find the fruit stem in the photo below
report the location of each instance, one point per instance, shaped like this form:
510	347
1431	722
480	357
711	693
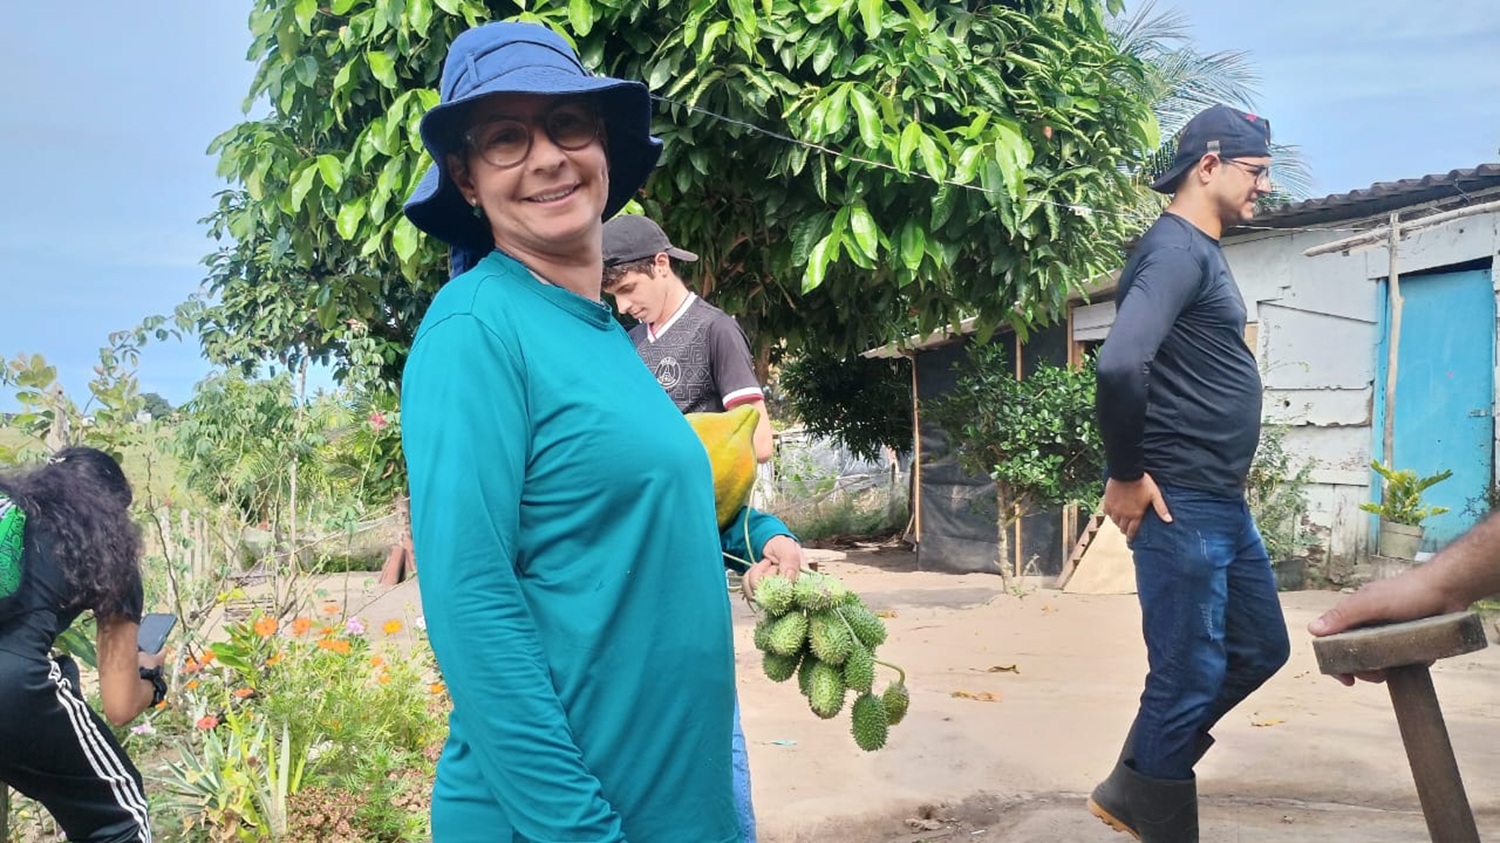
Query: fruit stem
902	680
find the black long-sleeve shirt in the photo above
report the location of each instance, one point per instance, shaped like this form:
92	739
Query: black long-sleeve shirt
1179	393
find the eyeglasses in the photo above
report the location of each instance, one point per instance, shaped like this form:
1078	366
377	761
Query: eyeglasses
506	141
1259	172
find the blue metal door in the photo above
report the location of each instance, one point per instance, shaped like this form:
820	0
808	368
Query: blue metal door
1445	393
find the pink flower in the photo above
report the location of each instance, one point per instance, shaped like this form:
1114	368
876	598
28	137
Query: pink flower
377	421
355	626
143	729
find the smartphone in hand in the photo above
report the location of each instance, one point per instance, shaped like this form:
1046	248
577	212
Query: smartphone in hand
155	627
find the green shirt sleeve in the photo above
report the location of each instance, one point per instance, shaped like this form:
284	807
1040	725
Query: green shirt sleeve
467	437
745	537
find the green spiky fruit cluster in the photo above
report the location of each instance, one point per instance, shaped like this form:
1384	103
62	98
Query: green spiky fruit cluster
821	632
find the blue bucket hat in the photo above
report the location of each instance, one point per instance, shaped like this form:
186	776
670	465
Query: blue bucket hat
523	58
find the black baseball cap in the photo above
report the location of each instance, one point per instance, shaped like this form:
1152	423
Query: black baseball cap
633	238
1219	129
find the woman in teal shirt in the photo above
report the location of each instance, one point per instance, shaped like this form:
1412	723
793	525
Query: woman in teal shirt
562	508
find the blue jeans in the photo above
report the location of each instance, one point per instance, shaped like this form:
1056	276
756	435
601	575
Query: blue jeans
1211	619
741	760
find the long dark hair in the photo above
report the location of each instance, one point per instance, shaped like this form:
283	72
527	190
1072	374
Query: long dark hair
82	500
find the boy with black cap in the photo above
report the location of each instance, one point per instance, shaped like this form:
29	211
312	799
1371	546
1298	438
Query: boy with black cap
698	352
1179	406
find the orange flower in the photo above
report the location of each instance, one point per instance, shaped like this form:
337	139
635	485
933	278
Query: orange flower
274	660
385	678
326	631
341	647
242	693
207	721
391	627
265	627
192	686
330	608
377	661
161	705
300	626
208	656
191	665
437	687
325	644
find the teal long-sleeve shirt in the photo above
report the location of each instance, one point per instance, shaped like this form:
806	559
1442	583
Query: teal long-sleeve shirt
745	538
563	511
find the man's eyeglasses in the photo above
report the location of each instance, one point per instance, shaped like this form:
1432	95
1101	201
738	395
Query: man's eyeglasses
1259	172
506	141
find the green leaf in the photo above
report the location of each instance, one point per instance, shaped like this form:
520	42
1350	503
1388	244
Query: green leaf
837	121
304	12
332	171
868	118
870	11
451	6
383	67
419	12
405	238
350	216
932	158
805	233
744	16
302	185
341	7
822	255
711	33
913	244
307	70
866	234
581	17
827	51
911	138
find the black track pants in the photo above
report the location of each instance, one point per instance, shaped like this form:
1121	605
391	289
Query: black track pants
56	750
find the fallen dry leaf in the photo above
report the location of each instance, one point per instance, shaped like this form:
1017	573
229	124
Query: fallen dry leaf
886	613
982	696
1274	721
1008	668
923	825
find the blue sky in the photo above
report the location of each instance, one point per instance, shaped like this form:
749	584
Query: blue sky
107	117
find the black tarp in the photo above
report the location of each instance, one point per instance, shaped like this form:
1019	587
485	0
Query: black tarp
958	510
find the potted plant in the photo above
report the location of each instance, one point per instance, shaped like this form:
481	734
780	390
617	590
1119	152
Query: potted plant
1276	495
1401	511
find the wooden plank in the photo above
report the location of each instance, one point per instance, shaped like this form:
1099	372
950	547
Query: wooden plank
1071	559
1106	567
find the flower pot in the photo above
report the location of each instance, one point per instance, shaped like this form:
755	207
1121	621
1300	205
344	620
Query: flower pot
1399	540
1291	573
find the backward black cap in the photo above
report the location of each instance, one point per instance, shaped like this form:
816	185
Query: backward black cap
1219	129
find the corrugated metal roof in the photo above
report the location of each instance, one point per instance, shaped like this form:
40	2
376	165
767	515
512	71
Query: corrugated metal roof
1383	197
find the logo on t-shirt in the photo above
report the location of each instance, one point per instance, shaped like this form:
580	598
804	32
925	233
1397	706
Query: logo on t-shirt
668	372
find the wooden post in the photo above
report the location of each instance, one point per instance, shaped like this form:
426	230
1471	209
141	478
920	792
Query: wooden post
1015	548
916	454
1393	351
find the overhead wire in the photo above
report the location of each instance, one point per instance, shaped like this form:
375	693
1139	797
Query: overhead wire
1073	207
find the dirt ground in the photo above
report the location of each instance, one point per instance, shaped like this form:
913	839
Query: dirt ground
1304	760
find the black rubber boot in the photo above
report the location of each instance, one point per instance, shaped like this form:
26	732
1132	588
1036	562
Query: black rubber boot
1150	810
1123	800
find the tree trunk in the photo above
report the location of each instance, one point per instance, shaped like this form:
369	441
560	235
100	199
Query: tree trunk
1003	519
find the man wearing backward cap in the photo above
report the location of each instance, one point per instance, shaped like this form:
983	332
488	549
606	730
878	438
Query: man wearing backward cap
1179	407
